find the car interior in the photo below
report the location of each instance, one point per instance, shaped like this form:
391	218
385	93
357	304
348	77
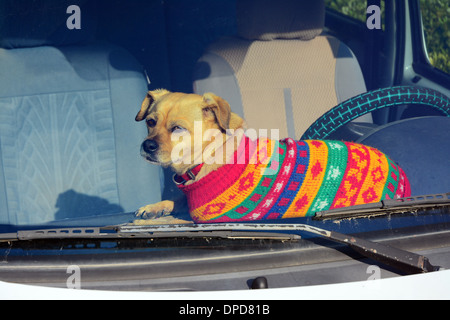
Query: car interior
70	146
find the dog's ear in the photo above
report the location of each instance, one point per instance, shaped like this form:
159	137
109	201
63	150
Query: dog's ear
219	107
148	101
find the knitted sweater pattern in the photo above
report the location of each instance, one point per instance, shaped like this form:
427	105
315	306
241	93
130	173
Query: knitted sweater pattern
284	179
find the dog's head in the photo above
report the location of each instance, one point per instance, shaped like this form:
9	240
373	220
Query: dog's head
174	119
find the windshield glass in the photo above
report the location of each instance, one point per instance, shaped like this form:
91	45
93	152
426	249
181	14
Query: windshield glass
180	145
72	83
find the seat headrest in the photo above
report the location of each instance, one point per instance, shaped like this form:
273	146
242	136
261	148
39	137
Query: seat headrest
44	22
280	19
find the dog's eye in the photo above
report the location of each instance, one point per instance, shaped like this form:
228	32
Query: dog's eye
177	129
151	123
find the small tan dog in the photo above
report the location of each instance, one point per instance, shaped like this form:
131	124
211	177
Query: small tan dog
228	177
171	113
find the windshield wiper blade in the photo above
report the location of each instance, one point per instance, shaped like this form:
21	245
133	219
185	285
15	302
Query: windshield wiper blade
384	207
405	261
140	232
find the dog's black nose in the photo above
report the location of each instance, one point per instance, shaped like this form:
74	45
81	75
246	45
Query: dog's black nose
150	146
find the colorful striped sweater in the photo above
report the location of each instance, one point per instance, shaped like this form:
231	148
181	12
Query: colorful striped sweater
283	179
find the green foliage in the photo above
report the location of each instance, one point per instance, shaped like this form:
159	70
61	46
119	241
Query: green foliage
353	8
436	23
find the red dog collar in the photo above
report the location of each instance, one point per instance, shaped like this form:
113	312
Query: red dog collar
189	175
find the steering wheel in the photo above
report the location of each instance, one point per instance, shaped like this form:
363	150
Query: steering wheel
370	101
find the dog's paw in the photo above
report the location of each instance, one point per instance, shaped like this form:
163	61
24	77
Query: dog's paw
156	210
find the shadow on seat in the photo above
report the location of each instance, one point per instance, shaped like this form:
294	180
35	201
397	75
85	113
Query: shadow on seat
72	204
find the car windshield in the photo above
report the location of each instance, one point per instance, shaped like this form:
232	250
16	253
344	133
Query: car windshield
77	77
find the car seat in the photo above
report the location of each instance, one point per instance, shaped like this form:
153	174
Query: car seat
280	71
69	145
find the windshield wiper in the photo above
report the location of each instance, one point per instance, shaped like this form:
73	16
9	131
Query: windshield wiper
386	207
407	262
402	260
142	232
